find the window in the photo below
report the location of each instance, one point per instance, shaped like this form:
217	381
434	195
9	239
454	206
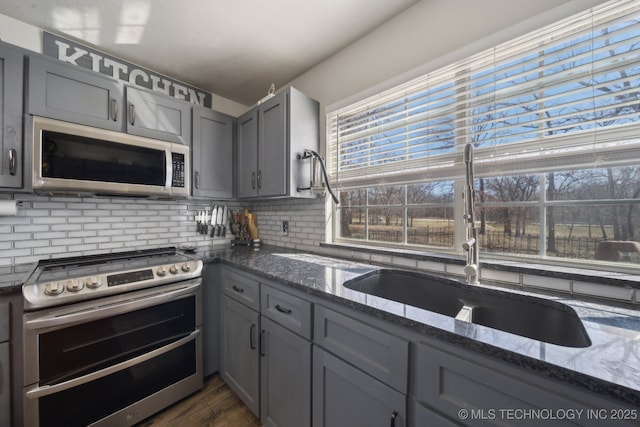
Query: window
554	119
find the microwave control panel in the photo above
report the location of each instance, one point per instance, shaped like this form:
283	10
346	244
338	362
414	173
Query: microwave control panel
178	168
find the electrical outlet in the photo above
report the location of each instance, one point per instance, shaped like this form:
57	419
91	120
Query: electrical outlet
285	228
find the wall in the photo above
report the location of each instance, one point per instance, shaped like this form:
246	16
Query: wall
306	221
421	38
428	35
431	34
29	37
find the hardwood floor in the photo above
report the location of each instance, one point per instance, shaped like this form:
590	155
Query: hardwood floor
215	405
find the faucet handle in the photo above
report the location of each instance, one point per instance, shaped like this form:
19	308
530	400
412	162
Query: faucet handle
468	244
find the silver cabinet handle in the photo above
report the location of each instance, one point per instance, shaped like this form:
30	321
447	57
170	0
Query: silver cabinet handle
13	161
197	180
259	179
114	109
253	180
394	415
262	345
132	114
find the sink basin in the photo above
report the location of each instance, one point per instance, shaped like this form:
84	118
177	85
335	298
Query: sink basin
537	318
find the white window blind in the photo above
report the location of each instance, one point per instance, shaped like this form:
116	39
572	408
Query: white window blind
565	96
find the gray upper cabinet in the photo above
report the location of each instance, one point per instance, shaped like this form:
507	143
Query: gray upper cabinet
157	116
270	137
247	152
65	92
11	66
272	147
212	154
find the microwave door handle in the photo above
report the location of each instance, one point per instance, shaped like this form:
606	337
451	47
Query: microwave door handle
169	169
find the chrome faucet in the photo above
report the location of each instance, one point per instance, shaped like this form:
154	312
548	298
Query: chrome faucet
472	269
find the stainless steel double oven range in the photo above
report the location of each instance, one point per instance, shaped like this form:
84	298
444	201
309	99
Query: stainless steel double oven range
111	339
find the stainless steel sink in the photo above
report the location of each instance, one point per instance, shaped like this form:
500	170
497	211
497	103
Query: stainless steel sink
537	318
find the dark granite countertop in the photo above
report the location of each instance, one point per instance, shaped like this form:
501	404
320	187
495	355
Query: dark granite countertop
610	366
12	277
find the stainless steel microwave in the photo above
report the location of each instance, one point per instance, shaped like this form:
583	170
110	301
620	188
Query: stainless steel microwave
74	159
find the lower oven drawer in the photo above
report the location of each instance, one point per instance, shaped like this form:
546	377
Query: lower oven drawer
124	397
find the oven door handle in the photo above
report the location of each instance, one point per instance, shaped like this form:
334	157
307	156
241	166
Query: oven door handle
51	389
109	309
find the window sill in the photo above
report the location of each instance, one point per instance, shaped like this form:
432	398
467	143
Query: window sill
579	282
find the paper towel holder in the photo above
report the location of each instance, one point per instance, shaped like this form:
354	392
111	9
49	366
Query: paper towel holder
9	207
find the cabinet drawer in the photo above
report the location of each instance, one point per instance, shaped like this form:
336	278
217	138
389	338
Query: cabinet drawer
378	353
242	288
4	322
288	310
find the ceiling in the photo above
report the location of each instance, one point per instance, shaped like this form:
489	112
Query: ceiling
233	48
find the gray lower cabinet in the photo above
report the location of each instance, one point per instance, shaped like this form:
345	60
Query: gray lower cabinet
285	349
5	379
11	152
212	154
240	363
157	116
285	377
463	388
345	396
66	92
211	291
359	373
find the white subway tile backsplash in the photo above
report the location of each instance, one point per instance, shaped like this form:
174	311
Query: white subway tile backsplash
48	227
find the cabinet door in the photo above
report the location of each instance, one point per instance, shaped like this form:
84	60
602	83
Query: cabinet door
5	386
66	92
212	154
240	357
158	116
272	150
11	64
247	152
285	377
346	396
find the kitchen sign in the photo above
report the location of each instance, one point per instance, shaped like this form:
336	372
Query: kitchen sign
68	51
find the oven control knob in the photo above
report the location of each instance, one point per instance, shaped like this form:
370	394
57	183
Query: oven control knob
92	282
74	285
186	267
53	288
173	269
161	271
